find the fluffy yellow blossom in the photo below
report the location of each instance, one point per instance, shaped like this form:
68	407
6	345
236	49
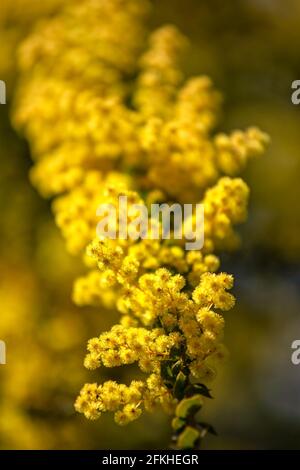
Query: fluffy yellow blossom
225	205
124	401
160	73
194	330
212	291
235	150
107	118
123	345
16	20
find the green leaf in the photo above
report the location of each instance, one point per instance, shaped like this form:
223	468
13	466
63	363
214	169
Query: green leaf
177	367
189	406
188	438
179	386
166	371
178	424
208	428
200	389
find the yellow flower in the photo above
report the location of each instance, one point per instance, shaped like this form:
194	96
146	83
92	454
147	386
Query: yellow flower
106	118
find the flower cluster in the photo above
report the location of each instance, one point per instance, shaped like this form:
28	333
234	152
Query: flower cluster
105	118
124	401
187	324
15	21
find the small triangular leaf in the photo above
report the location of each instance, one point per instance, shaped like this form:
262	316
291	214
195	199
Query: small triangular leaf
178	424
208	428
179	386
166	371
189	406
201	389
188	438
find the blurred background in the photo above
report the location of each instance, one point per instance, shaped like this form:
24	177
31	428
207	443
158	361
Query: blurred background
251	50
